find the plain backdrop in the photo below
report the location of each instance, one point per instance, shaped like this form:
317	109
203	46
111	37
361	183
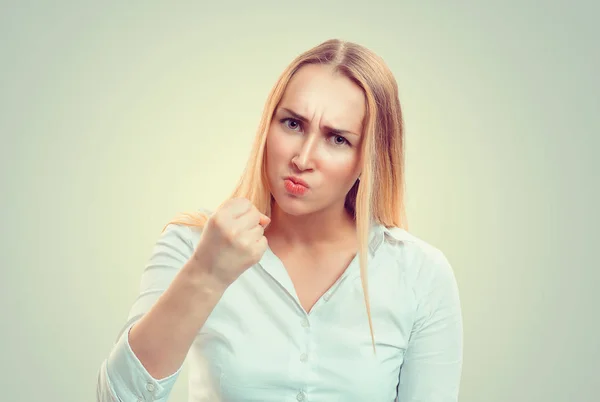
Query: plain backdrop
115	116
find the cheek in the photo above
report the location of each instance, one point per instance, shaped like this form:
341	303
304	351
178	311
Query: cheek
277	149
341	167
273	154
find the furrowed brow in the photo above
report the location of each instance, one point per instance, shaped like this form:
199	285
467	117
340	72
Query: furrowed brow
305	121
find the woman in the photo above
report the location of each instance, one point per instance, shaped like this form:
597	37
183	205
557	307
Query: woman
305	284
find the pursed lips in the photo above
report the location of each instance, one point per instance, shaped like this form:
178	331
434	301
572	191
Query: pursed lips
297	180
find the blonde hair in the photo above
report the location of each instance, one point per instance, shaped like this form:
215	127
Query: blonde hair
379	194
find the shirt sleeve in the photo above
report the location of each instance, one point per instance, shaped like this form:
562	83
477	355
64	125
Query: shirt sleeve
432	366
122	377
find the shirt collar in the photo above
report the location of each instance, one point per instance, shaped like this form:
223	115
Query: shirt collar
381	233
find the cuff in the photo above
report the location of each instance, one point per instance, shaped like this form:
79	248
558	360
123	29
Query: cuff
127	375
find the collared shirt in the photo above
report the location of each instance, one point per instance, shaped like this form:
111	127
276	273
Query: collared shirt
259	344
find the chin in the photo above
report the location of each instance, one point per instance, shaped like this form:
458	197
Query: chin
295	206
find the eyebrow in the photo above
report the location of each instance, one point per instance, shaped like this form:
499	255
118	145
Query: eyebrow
336	131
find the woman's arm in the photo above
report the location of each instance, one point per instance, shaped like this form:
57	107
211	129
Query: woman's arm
432	365
174	302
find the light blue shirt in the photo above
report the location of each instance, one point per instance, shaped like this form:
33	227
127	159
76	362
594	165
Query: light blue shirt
259	344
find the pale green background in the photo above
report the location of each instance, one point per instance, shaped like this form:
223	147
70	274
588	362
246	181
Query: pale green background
114	117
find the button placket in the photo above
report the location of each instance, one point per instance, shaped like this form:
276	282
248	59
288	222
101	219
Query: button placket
150	387
303	367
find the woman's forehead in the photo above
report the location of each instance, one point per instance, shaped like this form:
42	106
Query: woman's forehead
316	91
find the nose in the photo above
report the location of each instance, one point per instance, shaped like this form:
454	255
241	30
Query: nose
304	159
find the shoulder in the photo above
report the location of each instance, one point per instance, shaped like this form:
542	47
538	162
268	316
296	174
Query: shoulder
425	265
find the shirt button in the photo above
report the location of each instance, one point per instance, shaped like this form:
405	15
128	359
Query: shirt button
303	357
327	297
300	396
305	323
150	387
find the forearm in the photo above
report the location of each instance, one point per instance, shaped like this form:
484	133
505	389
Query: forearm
162	338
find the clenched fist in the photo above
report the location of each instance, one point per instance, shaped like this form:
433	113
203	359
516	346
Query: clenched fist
232	240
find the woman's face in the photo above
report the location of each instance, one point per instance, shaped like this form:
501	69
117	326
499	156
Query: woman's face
315	137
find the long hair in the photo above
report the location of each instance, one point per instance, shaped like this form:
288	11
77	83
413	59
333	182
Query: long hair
379	194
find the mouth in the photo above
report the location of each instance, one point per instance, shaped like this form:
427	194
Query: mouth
296	180
295	186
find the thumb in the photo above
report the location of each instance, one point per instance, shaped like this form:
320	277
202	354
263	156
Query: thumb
264	220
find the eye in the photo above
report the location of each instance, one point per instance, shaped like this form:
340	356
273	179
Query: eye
339	140
290	123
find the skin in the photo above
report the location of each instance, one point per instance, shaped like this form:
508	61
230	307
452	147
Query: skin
310	233
327	161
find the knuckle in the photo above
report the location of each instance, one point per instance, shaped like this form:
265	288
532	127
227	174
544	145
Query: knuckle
230	236
216	219
212	223
240	201
241	242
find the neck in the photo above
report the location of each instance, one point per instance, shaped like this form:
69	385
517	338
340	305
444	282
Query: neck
312	231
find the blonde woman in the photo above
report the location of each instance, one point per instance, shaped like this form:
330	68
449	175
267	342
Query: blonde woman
305	285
